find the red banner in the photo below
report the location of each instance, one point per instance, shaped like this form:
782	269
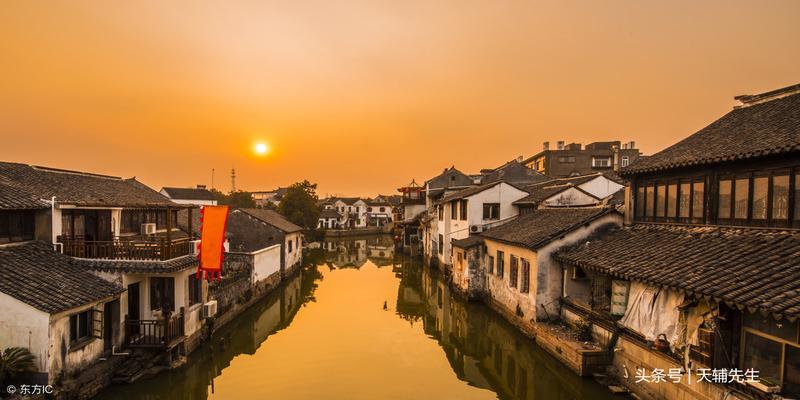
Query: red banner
212	241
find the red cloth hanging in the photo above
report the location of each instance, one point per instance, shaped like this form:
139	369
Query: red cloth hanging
213	220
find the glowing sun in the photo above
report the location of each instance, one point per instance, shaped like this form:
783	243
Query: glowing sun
261	148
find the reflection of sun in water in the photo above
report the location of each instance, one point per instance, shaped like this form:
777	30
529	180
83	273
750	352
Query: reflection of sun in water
261	148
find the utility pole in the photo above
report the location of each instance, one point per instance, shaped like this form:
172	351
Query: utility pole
233	180
212	178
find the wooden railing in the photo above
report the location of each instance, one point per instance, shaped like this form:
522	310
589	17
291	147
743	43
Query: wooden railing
128	249
153	332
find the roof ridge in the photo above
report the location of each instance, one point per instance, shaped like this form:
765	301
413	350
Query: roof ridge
73	172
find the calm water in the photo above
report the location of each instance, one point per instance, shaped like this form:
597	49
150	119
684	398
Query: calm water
327	335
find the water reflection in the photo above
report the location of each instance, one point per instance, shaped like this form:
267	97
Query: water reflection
360	322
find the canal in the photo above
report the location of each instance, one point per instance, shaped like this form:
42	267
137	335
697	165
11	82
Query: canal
360	322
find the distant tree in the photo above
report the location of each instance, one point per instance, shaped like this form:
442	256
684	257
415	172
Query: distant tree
299	204
220	197
240	199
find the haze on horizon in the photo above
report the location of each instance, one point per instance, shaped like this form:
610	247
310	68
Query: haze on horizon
360	97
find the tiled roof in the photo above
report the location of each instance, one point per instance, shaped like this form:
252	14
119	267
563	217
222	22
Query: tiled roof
464	193
544	192
189	193
329	213
347	200
272	218
542	226
135	266
35	274
771	127
12	198
514	172
757	269
80	188
468	242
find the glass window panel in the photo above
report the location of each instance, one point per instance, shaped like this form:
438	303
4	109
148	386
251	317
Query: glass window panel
763	355
797	196
791	372
684	200
650	200
782	329
724	211
698	200
672	201
639	201
660	203
780	197
741	202
760	191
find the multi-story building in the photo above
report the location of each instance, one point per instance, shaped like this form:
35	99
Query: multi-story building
573	159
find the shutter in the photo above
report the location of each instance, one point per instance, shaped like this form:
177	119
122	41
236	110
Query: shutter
619	296
97	323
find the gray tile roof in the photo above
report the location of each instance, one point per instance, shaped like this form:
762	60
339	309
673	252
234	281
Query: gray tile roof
329	213
35	274
135	266
464	193
540	227
189	193
514	172
13	198
470	241
756	269
80	188
771	127
273	218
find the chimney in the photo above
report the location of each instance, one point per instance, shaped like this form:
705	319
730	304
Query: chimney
624	146
201	186
615	157
632	145
546	146
519	159
560	145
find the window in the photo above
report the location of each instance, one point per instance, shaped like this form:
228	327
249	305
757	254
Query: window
661	194
672	200
724	208
684	200
525	285
441	244
491	211
760	192
640	201
464	209
650	200
797	195
369	209
601	162
81	325
625	161
780	197
383	209
491	264
741	193
440	211
195	290
454	210
513	271
290	243
698	201
500	263
16	226
566	159
162	294
772	348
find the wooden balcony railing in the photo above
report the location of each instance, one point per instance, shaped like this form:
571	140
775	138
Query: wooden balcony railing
129	249
153	332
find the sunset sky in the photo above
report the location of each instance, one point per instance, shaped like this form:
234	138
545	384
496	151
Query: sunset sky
360	97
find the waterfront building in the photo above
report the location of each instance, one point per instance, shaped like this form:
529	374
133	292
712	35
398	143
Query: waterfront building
583	190
573	159
199	196
707	265
329	218
123	232
281	231
264	198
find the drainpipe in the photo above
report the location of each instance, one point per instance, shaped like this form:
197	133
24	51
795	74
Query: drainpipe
53	236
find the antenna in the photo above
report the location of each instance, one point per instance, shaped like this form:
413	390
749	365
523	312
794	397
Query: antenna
212	178
233	180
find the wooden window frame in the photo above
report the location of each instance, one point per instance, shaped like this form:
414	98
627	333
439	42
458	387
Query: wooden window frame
513	271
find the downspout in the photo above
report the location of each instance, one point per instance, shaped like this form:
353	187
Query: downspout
53	236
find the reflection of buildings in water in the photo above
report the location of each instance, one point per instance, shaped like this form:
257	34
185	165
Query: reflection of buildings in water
482	348
353	253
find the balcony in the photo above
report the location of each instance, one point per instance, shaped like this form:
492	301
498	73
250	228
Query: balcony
137	248
154	333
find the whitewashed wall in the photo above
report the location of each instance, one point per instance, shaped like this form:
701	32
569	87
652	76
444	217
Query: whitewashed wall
266	262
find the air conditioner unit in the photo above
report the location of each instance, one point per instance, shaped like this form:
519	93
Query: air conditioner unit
210	309
149	229
475	228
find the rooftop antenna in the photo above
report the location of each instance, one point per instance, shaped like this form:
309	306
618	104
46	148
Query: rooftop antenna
233	180
212	178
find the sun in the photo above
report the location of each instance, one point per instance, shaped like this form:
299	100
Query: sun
261	148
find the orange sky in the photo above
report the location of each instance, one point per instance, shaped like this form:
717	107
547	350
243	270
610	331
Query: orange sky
362	96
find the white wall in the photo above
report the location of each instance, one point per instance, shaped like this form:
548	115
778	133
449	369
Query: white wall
570	197
24	326
296	255
601	187
266	262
